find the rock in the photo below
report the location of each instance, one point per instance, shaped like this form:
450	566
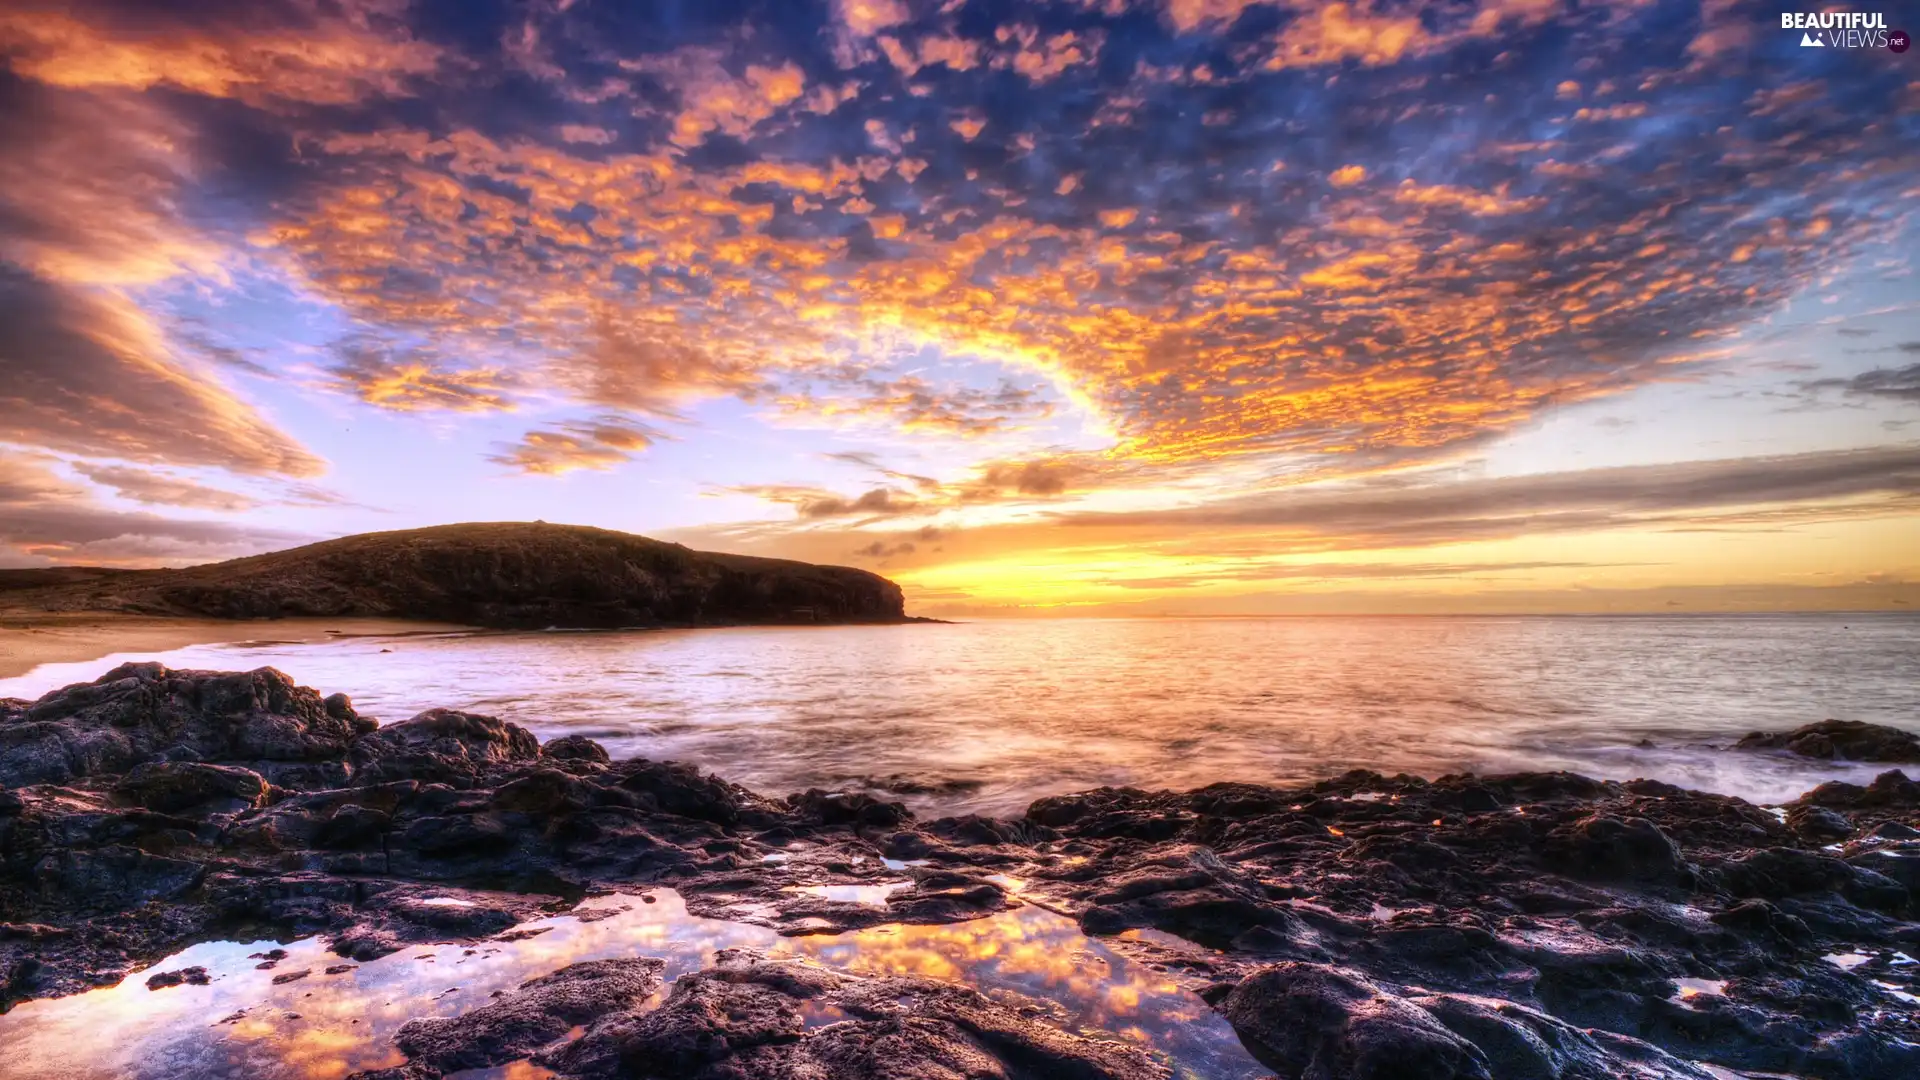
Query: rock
1819	824
747	1017
672	788
1520	1043
136	712
1611	849
1526	925
171	786
1311	1020
845	808
352	825
575	748
1840	740
441	746
537	1013
192	976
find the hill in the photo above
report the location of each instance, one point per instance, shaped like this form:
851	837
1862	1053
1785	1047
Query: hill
504	574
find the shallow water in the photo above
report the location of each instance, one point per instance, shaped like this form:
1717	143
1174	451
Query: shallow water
322	1026
987	716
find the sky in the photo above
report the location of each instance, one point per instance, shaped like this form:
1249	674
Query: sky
1096	307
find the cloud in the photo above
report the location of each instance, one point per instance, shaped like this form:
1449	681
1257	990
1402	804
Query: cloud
1131	210
1336	571
1894	384
597	444
158	489
911	403
88	217
87	373
880	549
44	519
309	52
1877	481
814	503
414	379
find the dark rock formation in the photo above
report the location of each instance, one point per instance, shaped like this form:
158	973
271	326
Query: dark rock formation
1535	925
1840	740
506	574
748	1017
139	713
526	1020
192	976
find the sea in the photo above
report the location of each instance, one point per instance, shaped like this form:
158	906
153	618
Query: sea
986	716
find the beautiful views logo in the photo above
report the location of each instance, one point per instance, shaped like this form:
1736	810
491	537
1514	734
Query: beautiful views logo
1844	30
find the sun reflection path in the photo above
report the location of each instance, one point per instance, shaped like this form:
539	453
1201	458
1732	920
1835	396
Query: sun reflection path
325	1026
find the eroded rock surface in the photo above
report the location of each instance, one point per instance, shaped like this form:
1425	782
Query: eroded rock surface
1535	925
1840	740
751	1016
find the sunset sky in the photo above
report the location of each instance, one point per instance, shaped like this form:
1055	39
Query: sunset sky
1095	306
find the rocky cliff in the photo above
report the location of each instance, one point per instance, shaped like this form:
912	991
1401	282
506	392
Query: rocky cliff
506	574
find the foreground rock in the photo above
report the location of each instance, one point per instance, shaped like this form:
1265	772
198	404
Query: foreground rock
1840	740
748	1016
1537	925
504	574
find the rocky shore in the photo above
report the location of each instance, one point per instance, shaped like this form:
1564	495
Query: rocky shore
1538	925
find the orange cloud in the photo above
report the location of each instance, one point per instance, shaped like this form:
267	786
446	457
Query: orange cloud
1347	175
414	381
588	444
336	55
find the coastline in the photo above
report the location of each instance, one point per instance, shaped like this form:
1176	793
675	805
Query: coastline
29	639
155	823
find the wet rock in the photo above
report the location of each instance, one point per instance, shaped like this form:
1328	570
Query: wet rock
1763	918
1611	849
1311	1020
1842	740
845	808
172	786
291	976
575	748
192	976
1819	824
443	746
544	791
1542	920
1520	1043
672	788
402	915
136	712
537	1013
352	825
748	1017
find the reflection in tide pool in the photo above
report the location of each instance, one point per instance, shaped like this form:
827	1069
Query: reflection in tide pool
322	1027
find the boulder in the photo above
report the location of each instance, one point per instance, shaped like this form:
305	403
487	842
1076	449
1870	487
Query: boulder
1313	1020
537	1013
1607	848
138	713
443	746
750	1016
1839	740
173	786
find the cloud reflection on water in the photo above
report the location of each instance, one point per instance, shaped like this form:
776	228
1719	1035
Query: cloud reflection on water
323	1027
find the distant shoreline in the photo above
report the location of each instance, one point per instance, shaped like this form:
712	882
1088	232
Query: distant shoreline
28	640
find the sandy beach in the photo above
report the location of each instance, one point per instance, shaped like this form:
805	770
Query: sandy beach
28	640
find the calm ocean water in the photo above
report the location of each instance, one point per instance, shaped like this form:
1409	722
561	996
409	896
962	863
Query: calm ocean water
987	716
